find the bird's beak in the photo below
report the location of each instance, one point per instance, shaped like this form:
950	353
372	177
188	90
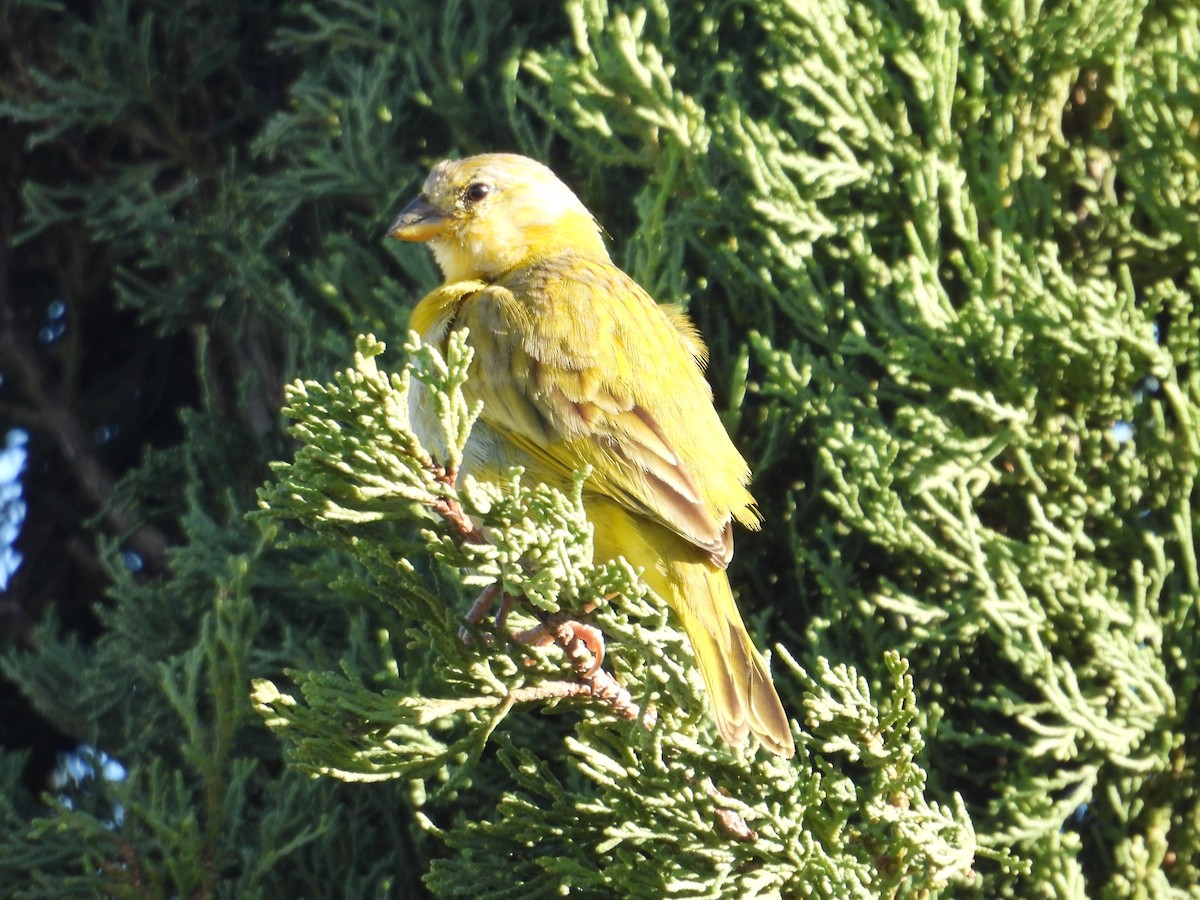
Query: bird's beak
419	221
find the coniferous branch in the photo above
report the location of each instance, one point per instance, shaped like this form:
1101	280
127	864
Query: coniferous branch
980	377
362	464
963	242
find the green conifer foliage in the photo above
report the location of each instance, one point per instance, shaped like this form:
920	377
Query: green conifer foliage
946	259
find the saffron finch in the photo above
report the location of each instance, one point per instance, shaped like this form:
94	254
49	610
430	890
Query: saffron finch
576	365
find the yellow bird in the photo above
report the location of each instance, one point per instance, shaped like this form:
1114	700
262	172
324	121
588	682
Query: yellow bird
576	365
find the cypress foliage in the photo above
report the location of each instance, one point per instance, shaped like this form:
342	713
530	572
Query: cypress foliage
946	259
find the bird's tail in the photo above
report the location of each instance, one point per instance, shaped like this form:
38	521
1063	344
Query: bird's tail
741	694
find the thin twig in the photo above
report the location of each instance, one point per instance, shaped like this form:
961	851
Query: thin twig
731	821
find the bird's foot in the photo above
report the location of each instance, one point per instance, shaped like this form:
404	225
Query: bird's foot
584	646
584	643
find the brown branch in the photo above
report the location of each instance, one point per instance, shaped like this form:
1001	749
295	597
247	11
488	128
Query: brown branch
551	690
731	821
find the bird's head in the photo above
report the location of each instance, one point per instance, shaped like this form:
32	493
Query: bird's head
489	214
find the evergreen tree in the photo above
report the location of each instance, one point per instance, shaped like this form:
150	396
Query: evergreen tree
946	260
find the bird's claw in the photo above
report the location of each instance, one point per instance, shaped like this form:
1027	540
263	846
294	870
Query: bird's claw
584	643
577	638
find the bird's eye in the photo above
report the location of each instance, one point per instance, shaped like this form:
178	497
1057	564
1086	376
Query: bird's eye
478	191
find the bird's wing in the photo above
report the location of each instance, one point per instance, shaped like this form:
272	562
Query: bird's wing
577	366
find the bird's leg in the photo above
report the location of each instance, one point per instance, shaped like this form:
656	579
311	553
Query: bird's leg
506	604
481	607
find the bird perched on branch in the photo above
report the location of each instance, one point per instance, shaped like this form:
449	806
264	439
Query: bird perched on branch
576	365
